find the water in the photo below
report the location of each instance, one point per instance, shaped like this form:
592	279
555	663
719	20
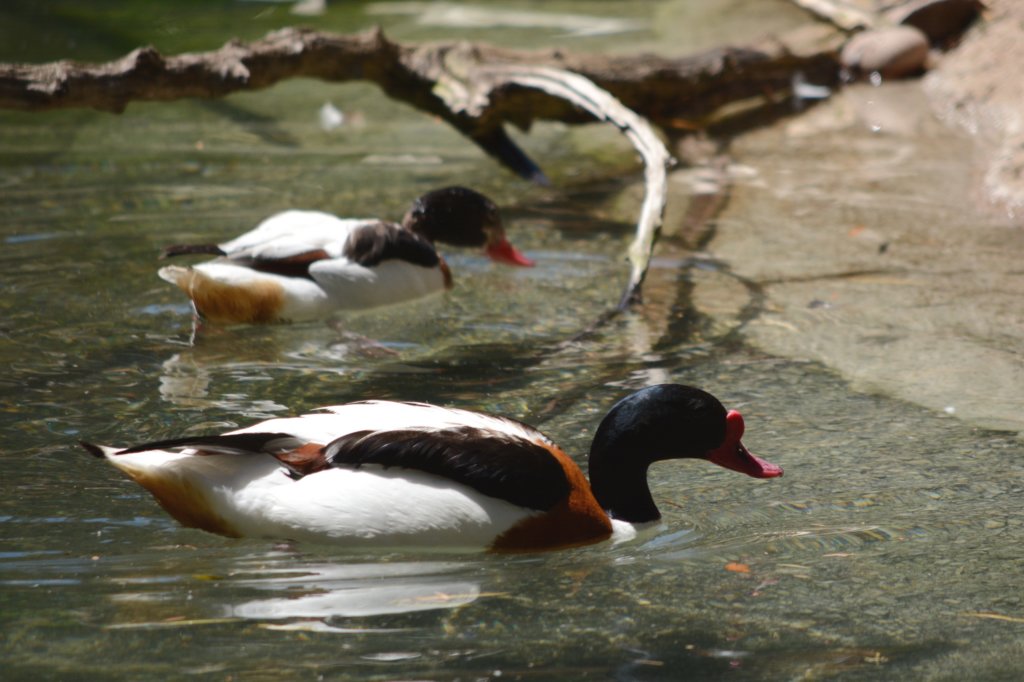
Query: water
890	550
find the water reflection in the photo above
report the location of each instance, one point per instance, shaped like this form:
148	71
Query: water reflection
481	332
459	15
890	550
355	590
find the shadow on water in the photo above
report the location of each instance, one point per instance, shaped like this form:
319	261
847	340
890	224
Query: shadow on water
263	126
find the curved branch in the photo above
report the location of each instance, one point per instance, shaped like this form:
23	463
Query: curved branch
600	104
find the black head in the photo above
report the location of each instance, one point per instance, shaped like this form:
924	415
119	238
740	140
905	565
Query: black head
668	421
462	217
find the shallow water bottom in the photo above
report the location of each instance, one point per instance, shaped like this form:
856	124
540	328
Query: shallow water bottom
887	550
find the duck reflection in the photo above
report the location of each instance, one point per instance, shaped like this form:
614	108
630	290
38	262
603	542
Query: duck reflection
358	590
219	368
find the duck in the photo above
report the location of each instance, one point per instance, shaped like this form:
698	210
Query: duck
393	475
301	265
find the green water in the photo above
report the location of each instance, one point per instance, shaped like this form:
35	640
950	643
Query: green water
891	549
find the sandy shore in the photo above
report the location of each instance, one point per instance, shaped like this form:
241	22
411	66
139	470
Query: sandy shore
883	230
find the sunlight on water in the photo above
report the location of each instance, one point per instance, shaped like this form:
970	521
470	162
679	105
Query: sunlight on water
889	550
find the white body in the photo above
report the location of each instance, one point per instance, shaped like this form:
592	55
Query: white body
371	506
337	283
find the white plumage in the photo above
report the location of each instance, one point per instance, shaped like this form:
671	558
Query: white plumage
252	495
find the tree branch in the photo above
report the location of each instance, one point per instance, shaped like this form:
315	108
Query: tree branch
600	104
475	88
661	89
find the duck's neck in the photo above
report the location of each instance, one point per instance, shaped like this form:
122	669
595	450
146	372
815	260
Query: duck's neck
667	421
419	229
620	486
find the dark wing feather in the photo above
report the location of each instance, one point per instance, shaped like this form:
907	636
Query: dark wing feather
231	444
376	242
189	249
498	465
296	265
300	457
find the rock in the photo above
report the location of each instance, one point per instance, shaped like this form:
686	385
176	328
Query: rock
893	52
940	20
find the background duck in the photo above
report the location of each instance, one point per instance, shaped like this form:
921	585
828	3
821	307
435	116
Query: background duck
393	474
303	265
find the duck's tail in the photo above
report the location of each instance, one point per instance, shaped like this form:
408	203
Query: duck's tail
183	494
98	451
126	464
187	249
110	455
178	276
235	295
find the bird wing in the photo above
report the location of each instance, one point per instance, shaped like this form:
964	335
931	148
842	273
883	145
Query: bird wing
299	455
494	463
499	457
370	244
291	233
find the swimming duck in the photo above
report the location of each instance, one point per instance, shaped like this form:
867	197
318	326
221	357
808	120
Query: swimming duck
303	265
396	474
